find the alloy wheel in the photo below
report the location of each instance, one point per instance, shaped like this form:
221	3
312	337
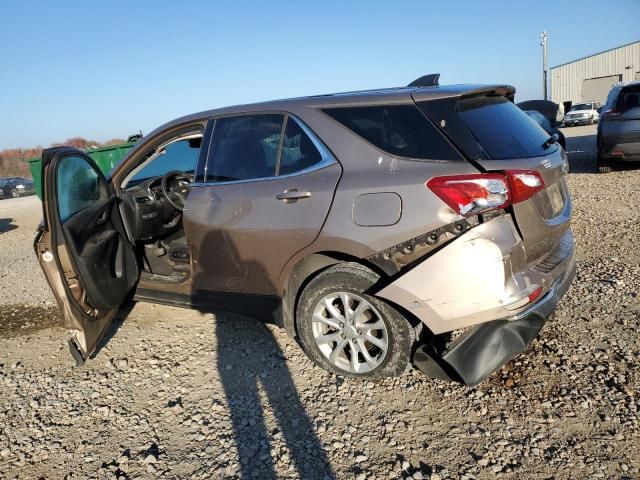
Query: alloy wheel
350	332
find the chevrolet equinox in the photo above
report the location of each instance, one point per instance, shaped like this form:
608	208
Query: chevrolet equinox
426	224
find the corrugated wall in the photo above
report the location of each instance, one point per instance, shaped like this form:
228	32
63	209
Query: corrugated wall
566	80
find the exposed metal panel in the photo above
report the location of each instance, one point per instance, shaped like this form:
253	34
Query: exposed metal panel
567	80
598	88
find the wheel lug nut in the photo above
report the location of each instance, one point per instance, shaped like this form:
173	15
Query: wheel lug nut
343	336
359	332
341	324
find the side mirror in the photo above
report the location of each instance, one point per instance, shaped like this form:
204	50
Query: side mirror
600	110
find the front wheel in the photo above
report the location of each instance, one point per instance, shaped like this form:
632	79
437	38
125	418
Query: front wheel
14	193
346	331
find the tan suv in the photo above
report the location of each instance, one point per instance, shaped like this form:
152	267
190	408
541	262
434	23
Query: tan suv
371	225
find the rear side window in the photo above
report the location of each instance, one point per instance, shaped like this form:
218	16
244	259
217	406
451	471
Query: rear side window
400	130
298	151
244	147
503	130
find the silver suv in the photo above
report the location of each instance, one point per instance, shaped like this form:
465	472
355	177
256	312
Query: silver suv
370	225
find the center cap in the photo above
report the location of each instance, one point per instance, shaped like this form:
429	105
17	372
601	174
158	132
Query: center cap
350	332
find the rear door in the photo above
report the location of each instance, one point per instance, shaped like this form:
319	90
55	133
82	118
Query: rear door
82	247
267	190
497	135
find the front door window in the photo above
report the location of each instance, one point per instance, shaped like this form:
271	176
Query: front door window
77	184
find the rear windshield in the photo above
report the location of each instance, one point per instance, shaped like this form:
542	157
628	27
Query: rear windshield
629	98
400	130
503	130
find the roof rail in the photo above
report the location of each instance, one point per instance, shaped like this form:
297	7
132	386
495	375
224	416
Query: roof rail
430	80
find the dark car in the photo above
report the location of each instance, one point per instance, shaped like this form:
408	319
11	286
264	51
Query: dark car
546	126
16	187
370	225
618	137
554	112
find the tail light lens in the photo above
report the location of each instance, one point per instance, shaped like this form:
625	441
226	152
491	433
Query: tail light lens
610	114
473	194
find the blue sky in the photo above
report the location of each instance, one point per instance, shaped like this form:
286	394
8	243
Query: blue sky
107	69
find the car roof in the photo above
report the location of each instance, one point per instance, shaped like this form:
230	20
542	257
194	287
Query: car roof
354	98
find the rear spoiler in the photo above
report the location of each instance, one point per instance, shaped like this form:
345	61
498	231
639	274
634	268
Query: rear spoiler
458	92
506	91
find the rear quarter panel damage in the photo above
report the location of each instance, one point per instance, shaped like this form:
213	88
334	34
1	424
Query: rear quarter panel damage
470	281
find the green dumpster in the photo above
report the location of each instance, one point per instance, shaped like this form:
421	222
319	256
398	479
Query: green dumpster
105	157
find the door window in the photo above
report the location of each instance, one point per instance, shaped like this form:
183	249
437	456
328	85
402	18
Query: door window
244	147
77	184
298	150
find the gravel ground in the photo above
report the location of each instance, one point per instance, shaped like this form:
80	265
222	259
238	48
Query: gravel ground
178	394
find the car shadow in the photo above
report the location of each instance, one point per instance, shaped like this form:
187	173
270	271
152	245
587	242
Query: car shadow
256	379
6	225
261	396
581	151
254	373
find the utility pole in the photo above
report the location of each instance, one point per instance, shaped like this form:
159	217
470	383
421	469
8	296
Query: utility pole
543	43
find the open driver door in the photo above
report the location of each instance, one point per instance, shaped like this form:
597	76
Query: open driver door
82	246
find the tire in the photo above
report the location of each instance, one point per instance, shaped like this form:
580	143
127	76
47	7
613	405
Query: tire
14	193
604	166
386	326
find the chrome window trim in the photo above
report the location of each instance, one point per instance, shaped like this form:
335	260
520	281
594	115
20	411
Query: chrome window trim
327	157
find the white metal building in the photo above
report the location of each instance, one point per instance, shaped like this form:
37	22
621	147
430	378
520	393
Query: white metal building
591	78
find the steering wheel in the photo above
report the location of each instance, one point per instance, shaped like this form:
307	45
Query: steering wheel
175	187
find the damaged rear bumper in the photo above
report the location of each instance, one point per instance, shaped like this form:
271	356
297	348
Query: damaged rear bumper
487	347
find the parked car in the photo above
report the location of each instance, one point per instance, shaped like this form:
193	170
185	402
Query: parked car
16	187
371	225
554	112
618	138
582	114
543	121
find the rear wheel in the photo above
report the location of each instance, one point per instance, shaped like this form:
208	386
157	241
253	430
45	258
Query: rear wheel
346	331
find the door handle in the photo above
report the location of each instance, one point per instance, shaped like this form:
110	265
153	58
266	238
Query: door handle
292	195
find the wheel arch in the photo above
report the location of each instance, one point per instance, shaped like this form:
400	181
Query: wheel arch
303	272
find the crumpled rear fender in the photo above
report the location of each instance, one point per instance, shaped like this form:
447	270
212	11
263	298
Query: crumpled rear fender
480	276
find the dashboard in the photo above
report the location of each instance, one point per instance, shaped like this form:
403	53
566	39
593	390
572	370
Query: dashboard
147	212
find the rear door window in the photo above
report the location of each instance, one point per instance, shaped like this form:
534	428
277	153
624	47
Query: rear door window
502	129
244	147
400	130
298	150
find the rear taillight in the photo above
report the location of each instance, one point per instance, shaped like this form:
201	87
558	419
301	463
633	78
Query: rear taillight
473	194
611	114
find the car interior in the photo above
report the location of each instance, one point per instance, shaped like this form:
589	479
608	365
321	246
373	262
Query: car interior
152	206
